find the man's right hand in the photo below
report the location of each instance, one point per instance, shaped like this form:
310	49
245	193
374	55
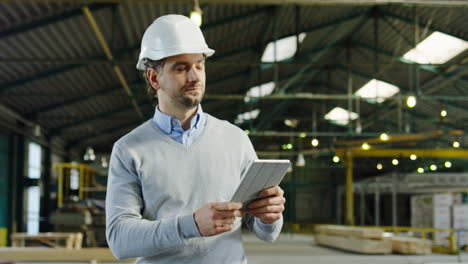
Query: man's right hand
217	217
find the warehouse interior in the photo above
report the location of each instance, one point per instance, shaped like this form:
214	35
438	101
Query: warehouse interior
366	98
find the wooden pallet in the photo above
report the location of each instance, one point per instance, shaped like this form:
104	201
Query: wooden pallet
58	254
355	244
54	240
411	245
362	232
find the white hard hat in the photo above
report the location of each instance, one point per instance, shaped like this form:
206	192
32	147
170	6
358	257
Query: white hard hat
171	35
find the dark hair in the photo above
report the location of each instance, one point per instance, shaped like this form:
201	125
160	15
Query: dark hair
158	65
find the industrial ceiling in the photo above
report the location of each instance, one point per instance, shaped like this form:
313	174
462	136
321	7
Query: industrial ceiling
68	68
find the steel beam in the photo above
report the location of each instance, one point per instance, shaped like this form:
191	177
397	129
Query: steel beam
85	120
424	24
343	34
405	153
75	100
438	3
120	76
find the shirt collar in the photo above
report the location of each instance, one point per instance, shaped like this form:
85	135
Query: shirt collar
164	121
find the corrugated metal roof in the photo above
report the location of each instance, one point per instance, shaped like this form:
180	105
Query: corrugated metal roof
54	71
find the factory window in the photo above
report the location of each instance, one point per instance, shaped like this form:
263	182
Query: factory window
33	192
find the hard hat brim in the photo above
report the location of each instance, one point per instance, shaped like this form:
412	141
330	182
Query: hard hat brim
158	55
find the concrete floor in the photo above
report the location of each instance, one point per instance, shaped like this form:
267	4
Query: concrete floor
301	249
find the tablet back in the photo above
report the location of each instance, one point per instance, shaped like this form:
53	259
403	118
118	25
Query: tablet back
259	175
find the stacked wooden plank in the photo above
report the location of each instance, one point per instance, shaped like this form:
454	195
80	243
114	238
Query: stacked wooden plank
411	245
356	239
369	240
70	240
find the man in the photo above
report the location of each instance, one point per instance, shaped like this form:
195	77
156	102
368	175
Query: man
171	178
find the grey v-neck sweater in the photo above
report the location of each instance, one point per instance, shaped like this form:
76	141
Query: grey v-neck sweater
156	184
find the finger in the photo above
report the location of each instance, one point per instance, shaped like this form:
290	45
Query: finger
275	190
269	217
226	221
267	209
223	228
275	200
227	214
226	206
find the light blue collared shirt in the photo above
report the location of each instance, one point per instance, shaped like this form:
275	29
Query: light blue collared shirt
173	128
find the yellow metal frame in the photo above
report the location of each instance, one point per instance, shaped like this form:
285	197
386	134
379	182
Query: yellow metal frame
86	179
347	155
3	236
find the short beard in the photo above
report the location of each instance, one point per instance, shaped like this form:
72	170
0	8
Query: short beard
189	103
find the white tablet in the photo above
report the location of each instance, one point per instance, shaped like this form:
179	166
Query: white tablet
259	175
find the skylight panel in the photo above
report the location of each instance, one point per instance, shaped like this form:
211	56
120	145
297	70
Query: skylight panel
260	91
340	116
241	118
376	91
285	48
437	48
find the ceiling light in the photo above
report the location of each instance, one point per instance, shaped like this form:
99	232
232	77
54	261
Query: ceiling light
411	101
384	137
241	118
104	163
340	116
420	170
259	91
289	146
395	162
365	146
433	167
285	48
413	157
448	164
291	122
314	142
303	134
456	144
376	91
300	160
443	113
196	14
379	166
436	48
336	159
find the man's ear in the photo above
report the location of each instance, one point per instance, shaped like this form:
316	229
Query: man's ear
152	75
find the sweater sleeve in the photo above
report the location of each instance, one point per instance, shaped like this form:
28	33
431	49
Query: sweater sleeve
265	232
127	233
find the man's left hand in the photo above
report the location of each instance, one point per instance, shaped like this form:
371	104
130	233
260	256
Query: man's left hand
270	206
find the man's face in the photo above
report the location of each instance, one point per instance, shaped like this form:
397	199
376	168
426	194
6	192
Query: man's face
182	80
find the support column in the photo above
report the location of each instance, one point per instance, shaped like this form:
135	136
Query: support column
17	183
377	204
339	205
349	189
44	224
394	200
362	203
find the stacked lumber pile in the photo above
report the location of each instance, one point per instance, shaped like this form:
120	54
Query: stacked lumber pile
411	245
356	239
52	239
369	240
